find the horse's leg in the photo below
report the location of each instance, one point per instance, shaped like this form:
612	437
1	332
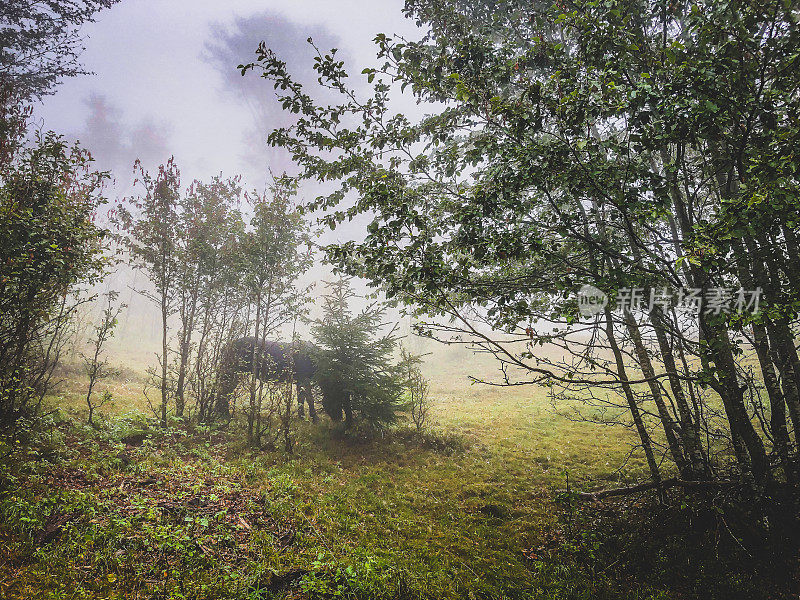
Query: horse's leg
312	411
300	397
348	412
222	404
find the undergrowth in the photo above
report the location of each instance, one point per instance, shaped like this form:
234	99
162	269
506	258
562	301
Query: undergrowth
133	511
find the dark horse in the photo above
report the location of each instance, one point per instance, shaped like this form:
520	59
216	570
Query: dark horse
274	361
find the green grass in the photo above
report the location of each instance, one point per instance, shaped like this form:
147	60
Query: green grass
471	510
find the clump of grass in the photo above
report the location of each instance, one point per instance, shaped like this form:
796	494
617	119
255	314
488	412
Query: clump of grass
447	443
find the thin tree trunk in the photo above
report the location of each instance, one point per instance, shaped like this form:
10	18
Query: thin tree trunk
164	350
287	415
777	402
644	437
718	348
782	342
781	336
255	366
752	274
674	440
186	344
690	429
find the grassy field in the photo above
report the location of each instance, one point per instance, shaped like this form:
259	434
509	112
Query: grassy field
471	509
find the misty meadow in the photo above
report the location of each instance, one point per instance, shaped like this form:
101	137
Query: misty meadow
434	299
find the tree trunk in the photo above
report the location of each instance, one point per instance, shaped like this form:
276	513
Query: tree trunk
752	274
777	402
287	417
785	353
674	440
718	348
185	349
689	423
348	411
255	366
164	350
644	437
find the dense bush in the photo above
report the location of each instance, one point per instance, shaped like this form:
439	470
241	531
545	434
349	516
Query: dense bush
49	245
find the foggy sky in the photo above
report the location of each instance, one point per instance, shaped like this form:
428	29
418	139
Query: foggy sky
165	83
166	80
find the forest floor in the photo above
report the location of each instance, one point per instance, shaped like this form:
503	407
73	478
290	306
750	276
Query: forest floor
474	508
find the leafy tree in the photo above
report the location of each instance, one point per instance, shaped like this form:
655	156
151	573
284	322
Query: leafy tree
215	229
272	259
354	365
151	225
206	219
190	245
41	43
49	246
622	144
220	279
